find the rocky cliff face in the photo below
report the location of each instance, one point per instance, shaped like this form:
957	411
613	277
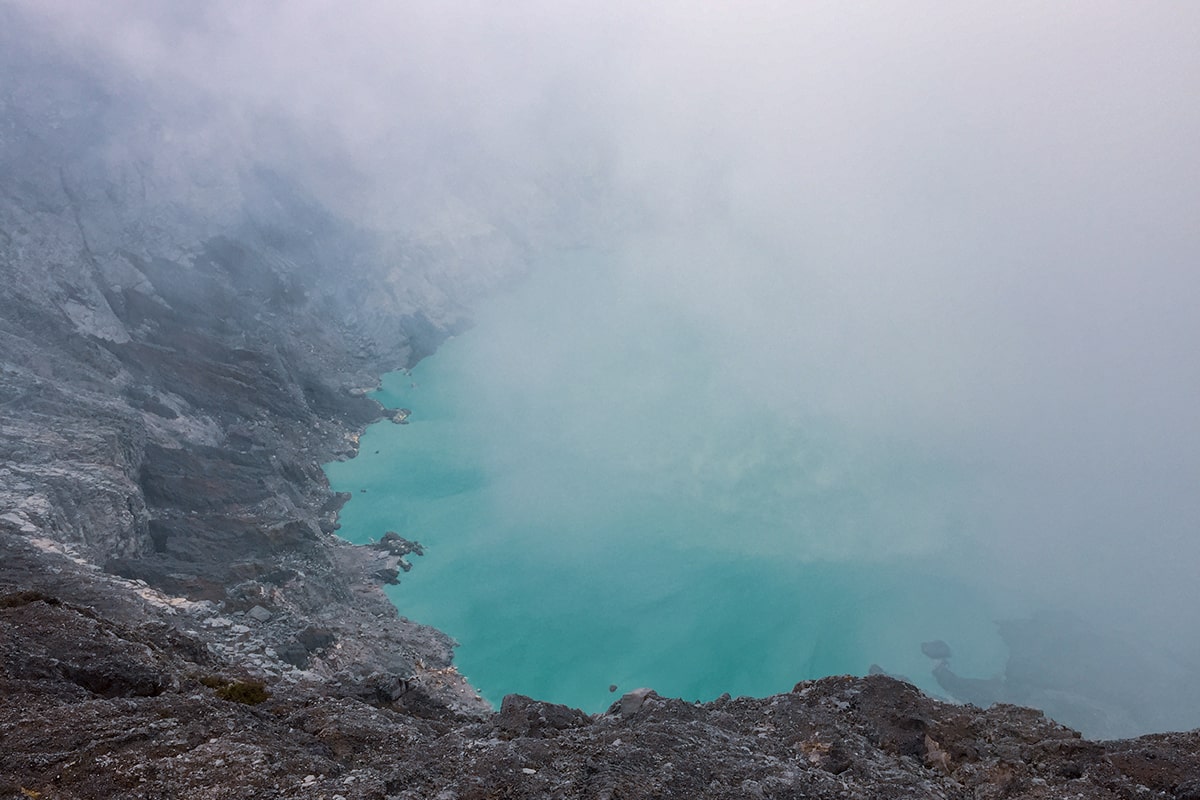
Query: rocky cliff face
181	351
182	345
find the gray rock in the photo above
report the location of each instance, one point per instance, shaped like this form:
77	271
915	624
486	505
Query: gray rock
631	702
523	716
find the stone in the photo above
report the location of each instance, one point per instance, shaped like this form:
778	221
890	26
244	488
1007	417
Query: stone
522	716
631	702
314	638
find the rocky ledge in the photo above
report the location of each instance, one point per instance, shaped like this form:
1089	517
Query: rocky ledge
102	705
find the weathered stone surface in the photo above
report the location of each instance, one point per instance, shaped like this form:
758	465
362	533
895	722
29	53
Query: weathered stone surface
838	737
524	716
178	347
631	702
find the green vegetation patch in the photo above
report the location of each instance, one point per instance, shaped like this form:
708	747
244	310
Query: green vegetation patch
249	692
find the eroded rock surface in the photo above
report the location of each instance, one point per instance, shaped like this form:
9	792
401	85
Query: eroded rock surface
169	733
180	351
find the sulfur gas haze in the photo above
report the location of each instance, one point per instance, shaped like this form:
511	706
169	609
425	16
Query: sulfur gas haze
851	284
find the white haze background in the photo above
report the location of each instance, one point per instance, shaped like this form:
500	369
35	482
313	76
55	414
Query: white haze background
971	230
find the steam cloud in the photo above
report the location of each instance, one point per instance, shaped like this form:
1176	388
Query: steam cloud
970	229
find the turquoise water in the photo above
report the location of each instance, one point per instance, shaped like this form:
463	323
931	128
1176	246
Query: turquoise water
600	503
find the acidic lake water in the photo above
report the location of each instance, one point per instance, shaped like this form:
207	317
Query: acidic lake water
601	503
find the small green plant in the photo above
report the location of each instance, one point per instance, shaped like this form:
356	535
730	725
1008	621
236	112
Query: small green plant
249	692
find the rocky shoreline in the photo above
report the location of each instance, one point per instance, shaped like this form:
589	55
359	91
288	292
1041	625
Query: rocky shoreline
181	350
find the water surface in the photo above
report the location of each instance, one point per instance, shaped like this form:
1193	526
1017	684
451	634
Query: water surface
602	503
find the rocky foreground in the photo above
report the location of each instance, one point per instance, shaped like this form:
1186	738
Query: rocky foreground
113	689
100	708
186	335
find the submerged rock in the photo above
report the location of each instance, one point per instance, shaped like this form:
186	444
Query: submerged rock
937	649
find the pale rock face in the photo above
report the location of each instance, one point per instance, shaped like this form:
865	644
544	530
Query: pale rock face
98	321
19	522
631	702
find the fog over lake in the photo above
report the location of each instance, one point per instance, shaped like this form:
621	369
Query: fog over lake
823	301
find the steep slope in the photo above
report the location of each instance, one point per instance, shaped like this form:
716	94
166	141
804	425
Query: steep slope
180	354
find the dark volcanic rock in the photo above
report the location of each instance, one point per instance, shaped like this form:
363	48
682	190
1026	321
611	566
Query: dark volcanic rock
49	641
833	738
523	716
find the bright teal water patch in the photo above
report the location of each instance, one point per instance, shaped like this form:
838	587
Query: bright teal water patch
600	506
